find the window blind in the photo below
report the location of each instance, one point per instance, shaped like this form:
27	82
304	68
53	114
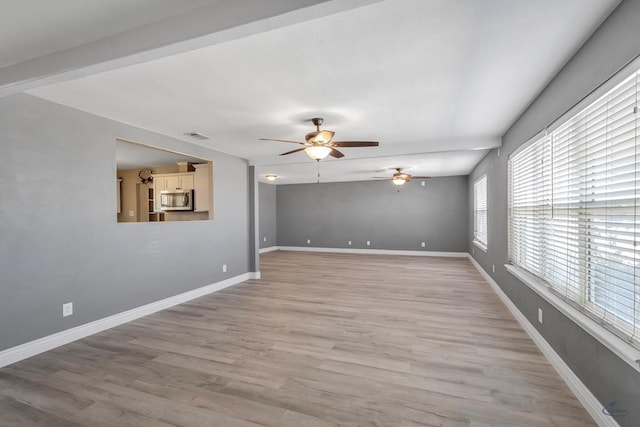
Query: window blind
574	198
480	210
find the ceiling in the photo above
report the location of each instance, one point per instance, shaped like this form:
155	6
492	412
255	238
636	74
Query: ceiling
137	156
35	28
436	82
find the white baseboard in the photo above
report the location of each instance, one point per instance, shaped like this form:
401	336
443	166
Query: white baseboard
584	395
269	249
373	251
32	348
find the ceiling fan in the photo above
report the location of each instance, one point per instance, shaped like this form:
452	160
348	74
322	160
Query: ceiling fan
399	177
319	144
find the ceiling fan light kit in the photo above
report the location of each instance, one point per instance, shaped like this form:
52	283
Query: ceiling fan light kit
399	180
318	152
271	177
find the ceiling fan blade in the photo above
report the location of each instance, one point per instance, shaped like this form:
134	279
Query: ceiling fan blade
420	177
381	177
354	143
335	153
281	140
292	151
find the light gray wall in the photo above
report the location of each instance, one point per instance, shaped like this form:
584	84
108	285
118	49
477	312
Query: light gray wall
331	214
268	224
615	43
59	240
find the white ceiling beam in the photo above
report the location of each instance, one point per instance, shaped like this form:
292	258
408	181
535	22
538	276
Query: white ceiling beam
203	27
391	150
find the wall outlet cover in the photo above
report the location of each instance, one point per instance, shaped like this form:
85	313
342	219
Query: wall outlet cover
539	315
264	239
308	241
224	268
423	244
67	309
349	243
368	243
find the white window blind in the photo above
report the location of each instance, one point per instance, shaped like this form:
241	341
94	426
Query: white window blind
480	211
574	210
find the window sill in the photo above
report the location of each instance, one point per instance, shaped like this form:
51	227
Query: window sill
621	348
480	245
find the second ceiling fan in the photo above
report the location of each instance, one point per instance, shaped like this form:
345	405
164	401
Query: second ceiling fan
399	177
319	144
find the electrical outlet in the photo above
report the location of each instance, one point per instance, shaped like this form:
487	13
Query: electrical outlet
423	183
493	268
132	213
349	243
224	268
308	241
368	243
67	309
264	239
423	244
539	315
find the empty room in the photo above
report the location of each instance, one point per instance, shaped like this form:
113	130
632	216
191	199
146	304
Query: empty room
320	213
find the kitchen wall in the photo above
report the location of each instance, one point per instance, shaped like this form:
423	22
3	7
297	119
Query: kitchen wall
609	378
267	232
59	239
331	214
129	195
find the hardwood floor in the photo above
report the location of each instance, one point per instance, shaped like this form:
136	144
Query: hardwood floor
321	340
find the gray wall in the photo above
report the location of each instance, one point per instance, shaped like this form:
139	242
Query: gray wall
267	208
615	43
331	214
59	240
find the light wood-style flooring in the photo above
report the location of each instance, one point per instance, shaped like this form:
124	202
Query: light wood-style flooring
321	340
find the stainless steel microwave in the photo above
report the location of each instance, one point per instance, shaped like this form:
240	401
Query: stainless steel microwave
176	200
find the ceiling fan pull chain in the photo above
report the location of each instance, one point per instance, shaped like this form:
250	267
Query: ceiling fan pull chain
318	162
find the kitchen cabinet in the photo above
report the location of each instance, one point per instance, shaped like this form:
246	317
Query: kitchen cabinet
202	186
179	182
171	181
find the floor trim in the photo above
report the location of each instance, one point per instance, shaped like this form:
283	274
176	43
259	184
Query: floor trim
373	251
32	348
269	249
584	395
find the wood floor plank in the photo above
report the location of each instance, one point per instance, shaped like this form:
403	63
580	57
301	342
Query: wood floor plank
321	340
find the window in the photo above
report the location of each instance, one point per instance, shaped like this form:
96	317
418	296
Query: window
480	212
574	210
